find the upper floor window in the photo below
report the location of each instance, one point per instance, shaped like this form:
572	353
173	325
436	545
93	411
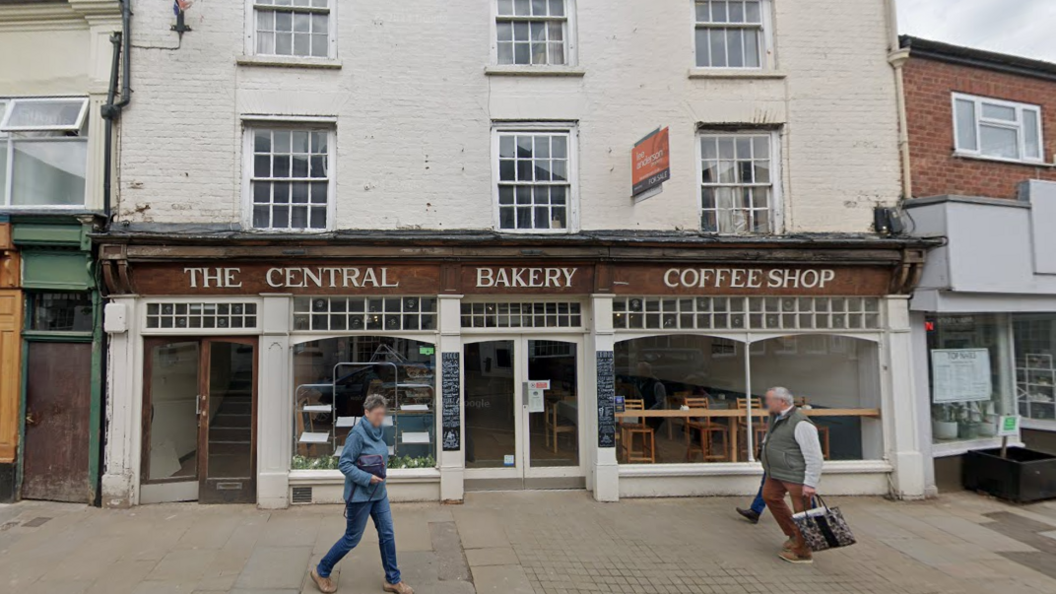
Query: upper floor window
739	188
533	32
43	152
290	182
536	173
997	129
731	33
300	28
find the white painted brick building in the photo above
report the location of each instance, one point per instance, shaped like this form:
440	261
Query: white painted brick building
337	222
413	92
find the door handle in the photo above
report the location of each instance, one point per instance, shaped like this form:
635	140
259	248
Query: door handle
31	419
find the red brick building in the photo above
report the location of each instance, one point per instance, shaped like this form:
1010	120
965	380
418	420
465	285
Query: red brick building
982	136
937	71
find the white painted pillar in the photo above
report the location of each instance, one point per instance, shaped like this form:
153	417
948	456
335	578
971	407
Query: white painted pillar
274	403
452	463
120	480
606	472
900	406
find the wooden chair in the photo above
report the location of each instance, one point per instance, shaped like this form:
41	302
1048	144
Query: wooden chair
552	421
628	431
759	423
823	431
706	428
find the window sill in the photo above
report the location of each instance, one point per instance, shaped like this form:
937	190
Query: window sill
1020	162
959	448
743	469
288	62
1037	424
395	476
720	73
559	71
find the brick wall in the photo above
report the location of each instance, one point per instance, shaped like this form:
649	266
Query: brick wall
936	171
414	110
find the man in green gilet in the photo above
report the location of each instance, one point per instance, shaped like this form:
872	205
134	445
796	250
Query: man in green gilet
792	458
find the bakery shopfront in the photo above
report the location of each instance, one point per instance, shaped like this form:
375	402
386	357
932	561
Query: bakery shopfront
629	369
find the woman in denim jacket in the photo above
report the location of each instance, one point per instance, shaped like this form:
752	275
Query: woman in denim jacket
363	464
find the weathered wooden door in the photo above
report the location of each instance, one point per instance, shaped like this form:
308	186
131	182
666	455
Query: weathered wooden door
58	403
10	372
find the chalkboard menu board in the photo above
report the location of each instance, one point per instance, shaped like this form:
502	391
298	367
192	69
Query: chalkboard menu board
450	394
606	400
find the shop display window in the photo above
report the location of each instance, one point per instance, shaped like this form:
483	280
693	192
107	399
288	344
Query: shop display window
333	377
970	356
835	379
1034	338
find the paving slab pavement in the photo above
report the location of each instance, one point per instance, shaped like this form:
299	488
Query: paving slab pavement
529	543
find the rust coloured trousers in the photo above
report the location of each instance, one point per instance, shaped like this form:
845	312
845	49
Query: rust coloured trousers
774	495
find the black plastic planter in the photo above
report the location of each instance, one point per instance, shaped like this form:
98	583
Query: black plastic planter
1024	476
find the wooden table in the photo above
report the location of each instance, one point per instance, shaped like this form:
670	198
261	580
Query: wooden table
696	413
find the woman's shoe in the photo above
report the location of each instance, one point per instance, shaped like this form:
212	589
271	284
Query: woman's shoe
400	588
325	585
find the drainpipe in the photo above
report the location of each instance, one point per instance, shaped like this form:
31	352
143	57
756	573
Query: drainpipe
111	112
897	57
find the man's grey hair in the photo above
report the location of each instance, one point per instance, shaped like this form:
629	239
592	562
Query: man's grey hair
783	394
374	401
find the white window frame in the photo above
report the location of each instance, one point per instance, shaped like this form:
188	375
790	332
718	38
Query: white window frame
777	203
251	32
1018	127
14	102
571	45
251	124
9	140
767	61
569	128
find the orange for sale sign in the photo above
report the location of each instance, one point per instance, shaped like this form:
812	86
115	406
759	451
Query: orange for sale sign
651	162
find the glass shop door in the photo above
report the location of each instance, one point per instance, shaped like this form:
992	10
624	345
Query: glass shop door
517	437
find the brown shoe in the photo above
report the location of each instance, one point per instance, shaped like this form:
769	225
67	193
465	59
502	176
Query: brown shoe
325	585
792	557
789	545
400	588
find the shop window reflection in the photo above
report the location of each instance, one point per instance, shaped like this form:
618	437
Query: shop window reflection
964	346
836	379
333	377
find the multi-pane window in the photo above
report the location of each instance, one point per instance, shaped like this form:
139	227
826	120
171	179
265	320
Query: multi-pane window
183	316
290	178
731	33
532	32
541	314
746	313
535	189
43	152
999	129
60	312
737	183
364	313
292	28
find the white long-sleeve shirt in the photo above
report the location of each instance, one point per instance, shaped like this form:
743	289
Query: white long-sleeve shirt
807	437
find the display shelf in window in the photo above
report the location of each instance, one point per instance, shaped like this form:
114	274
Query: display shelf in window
310	410
1036	386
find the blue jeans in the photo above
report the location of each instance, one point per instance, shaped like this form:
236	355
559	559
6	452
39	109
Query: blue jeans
357	514
758	505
